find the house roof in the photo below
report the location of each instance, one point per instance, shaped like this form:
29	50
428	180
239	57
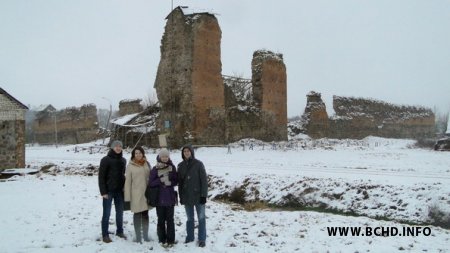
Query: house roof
124	119
142	122
48	107
13	99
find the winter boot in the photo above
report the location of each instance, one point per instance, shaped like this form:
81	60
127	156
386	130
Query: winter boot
106	239
145	228
137	220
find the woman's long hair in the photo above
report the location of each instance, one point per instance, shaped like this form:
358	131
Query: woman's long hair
140	149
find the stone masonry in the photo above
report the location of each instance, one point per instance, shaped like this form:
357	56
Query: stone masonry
192	93
256	108
73	125
357	118
12	131
188	83
130	106
269	89
318	124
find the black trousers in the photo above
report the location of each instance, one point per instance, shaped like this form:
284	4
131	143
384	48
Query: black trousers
166	225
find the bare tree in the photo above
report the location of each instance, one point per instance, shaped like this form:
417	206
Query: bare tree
241	87
442	117
446	122
103	115
150	99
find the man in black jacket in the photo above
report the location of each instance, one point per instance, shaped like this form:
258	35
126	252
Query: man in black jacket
193	188
111	179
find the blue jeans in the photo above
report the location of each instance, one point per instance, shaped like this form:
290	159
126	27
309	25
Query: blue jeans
117	196
190	222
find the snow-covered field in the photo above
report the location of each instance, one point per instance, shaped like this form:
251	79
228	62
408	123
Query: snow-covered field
372	177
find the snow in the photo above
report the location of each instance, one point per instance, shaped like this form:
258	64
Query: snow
192	14
20	171
124	119
143	129
130	100
313	93
42	107
62	213
189	11
242	108
263	53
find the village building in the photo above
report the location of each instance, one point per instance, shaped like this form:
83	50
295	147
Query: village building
12	131
137	128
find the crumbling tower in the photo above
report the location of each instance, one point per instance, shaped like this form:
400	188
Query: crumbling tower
316	116
269	88
189	83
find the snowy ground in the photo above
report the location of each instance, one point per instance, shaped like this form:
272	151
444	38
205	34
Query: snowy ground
62	213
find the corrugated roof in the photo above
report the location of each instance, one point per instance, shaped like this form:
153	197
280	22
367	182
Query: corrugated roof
124	119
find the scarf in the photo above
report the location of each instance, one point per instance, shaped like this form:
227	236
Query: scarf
163	172
140	162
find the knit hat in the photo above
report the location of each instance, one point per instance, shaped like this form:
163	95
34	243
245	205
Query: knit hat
164	152
116	143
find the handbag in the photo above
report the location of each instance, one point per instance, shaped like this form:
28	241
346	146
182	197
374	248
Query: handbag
152	195
126	206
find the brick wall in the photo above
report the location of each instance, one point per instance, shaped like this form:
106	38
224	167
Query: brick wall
269	88
191	90
207	85
12	134
74	125
10	110
357	118
188	83
316	116
130	106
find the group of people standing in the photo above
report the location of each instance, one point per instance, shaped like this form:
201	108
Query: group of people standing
126	185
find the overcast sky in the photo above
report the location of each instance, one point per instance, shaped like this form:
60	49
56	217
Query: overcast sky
72	52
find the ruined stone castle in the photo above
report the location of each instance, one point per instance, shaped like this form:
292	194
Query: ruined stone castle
198	104
69	126
357	118
130	106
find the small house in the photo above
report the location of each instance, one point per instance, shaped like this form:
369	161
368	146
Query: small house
12	131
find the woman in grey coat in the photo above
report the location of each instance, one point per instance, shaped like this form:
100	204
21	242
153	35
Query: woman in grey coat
193	189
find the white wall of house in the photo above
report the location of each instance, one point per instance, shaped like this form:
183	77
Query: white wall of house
10	110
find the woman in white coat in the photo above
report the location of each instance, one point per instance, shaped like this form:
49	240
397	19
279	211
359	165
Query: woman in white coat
136	180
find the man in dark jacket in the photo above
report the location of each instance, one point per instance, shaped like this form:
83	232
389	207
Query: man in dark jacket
193	188
111	179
